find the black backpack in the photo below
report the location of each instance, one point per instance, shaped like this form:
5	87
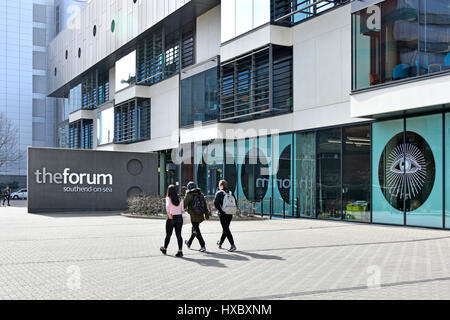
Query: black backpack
198	205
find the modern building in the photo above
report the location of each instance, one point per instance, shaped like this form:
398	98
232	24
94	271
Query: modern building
26	28
310	109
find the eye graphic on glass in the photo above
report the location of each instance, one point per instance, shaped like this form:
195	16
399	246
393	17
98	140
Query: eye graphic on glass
406	165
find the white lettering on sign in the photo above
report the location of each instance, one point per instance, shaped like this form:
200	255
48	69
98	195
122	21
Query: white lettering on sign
66	177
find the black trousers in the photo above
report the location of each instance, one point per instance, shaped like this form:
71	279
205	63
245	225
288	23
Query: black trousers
6	198
177	224
225	221
196	234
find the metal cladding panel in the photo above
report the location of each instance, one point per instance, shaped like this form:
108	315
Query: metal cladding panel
62	180
130	20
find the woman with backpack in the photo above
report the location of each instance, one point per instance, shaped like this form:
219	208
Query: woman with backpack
174	208
226	203
195	204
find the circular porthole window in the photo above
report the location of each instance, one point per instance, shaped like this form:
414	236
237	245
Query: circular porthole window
113	25
94	31
79	52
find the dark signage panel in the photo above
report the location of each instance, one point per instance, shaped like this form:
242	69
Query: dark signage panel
62	180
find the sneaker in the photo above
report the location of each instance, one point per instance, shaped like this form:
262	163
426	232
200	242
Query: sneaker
203	249
187	244
233	248
164	251
179	254
219	245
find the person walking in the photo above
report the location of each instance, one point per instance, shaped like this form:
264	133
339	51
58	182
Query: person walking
7	195
174	208
226	203
195	204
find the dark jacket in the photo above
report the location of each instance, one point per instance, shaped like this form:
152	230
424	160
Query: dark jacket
218	201
189	202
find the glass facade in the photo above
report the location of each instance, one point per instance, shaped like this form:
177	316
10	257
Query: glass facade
387	172
408	171
386	207
241	16
356	178
328	174
447	170
75	98
292	175
200	98
105	127
305	173
399	39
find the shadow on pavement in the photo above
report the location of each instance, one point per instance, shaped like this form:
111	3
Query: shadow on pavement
259	256
227	256
205	262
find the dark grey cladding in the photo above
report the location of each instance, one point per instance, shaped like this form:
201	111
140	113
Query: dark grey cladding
62	180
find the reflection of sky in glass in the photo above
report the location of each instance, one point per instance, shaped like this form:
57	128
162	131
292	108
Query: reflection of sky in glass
125	71
261	12
241	16
244	16
105	125
228	19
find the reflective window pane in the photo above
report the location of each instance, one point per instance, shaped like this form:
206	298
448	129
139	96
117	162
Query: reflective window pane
126	71
387	202
244	16
447	170
305	173
356	173
228	21
328	175
423	171
261	12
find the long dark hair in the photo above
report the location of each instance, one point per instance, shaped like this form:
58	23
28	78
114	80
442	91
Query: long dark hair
173	195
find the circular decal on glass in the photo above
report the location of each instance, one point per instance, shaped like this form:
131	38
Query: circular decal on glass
254	178
407	171
284	175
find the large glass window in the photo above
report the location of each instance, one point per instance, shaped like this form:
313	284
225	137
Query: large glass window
328	174
356	172
423	171
387	136
200	98
305	173
75	98
398	39
105	127
126	71
447	170
246	89
241	16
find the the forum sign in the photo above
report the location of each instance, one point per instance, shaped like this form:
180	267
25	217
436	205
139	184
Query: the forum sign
61	180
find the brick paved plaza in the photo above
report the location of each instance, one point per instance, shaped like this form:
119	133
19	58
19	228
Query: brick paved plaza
106	256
